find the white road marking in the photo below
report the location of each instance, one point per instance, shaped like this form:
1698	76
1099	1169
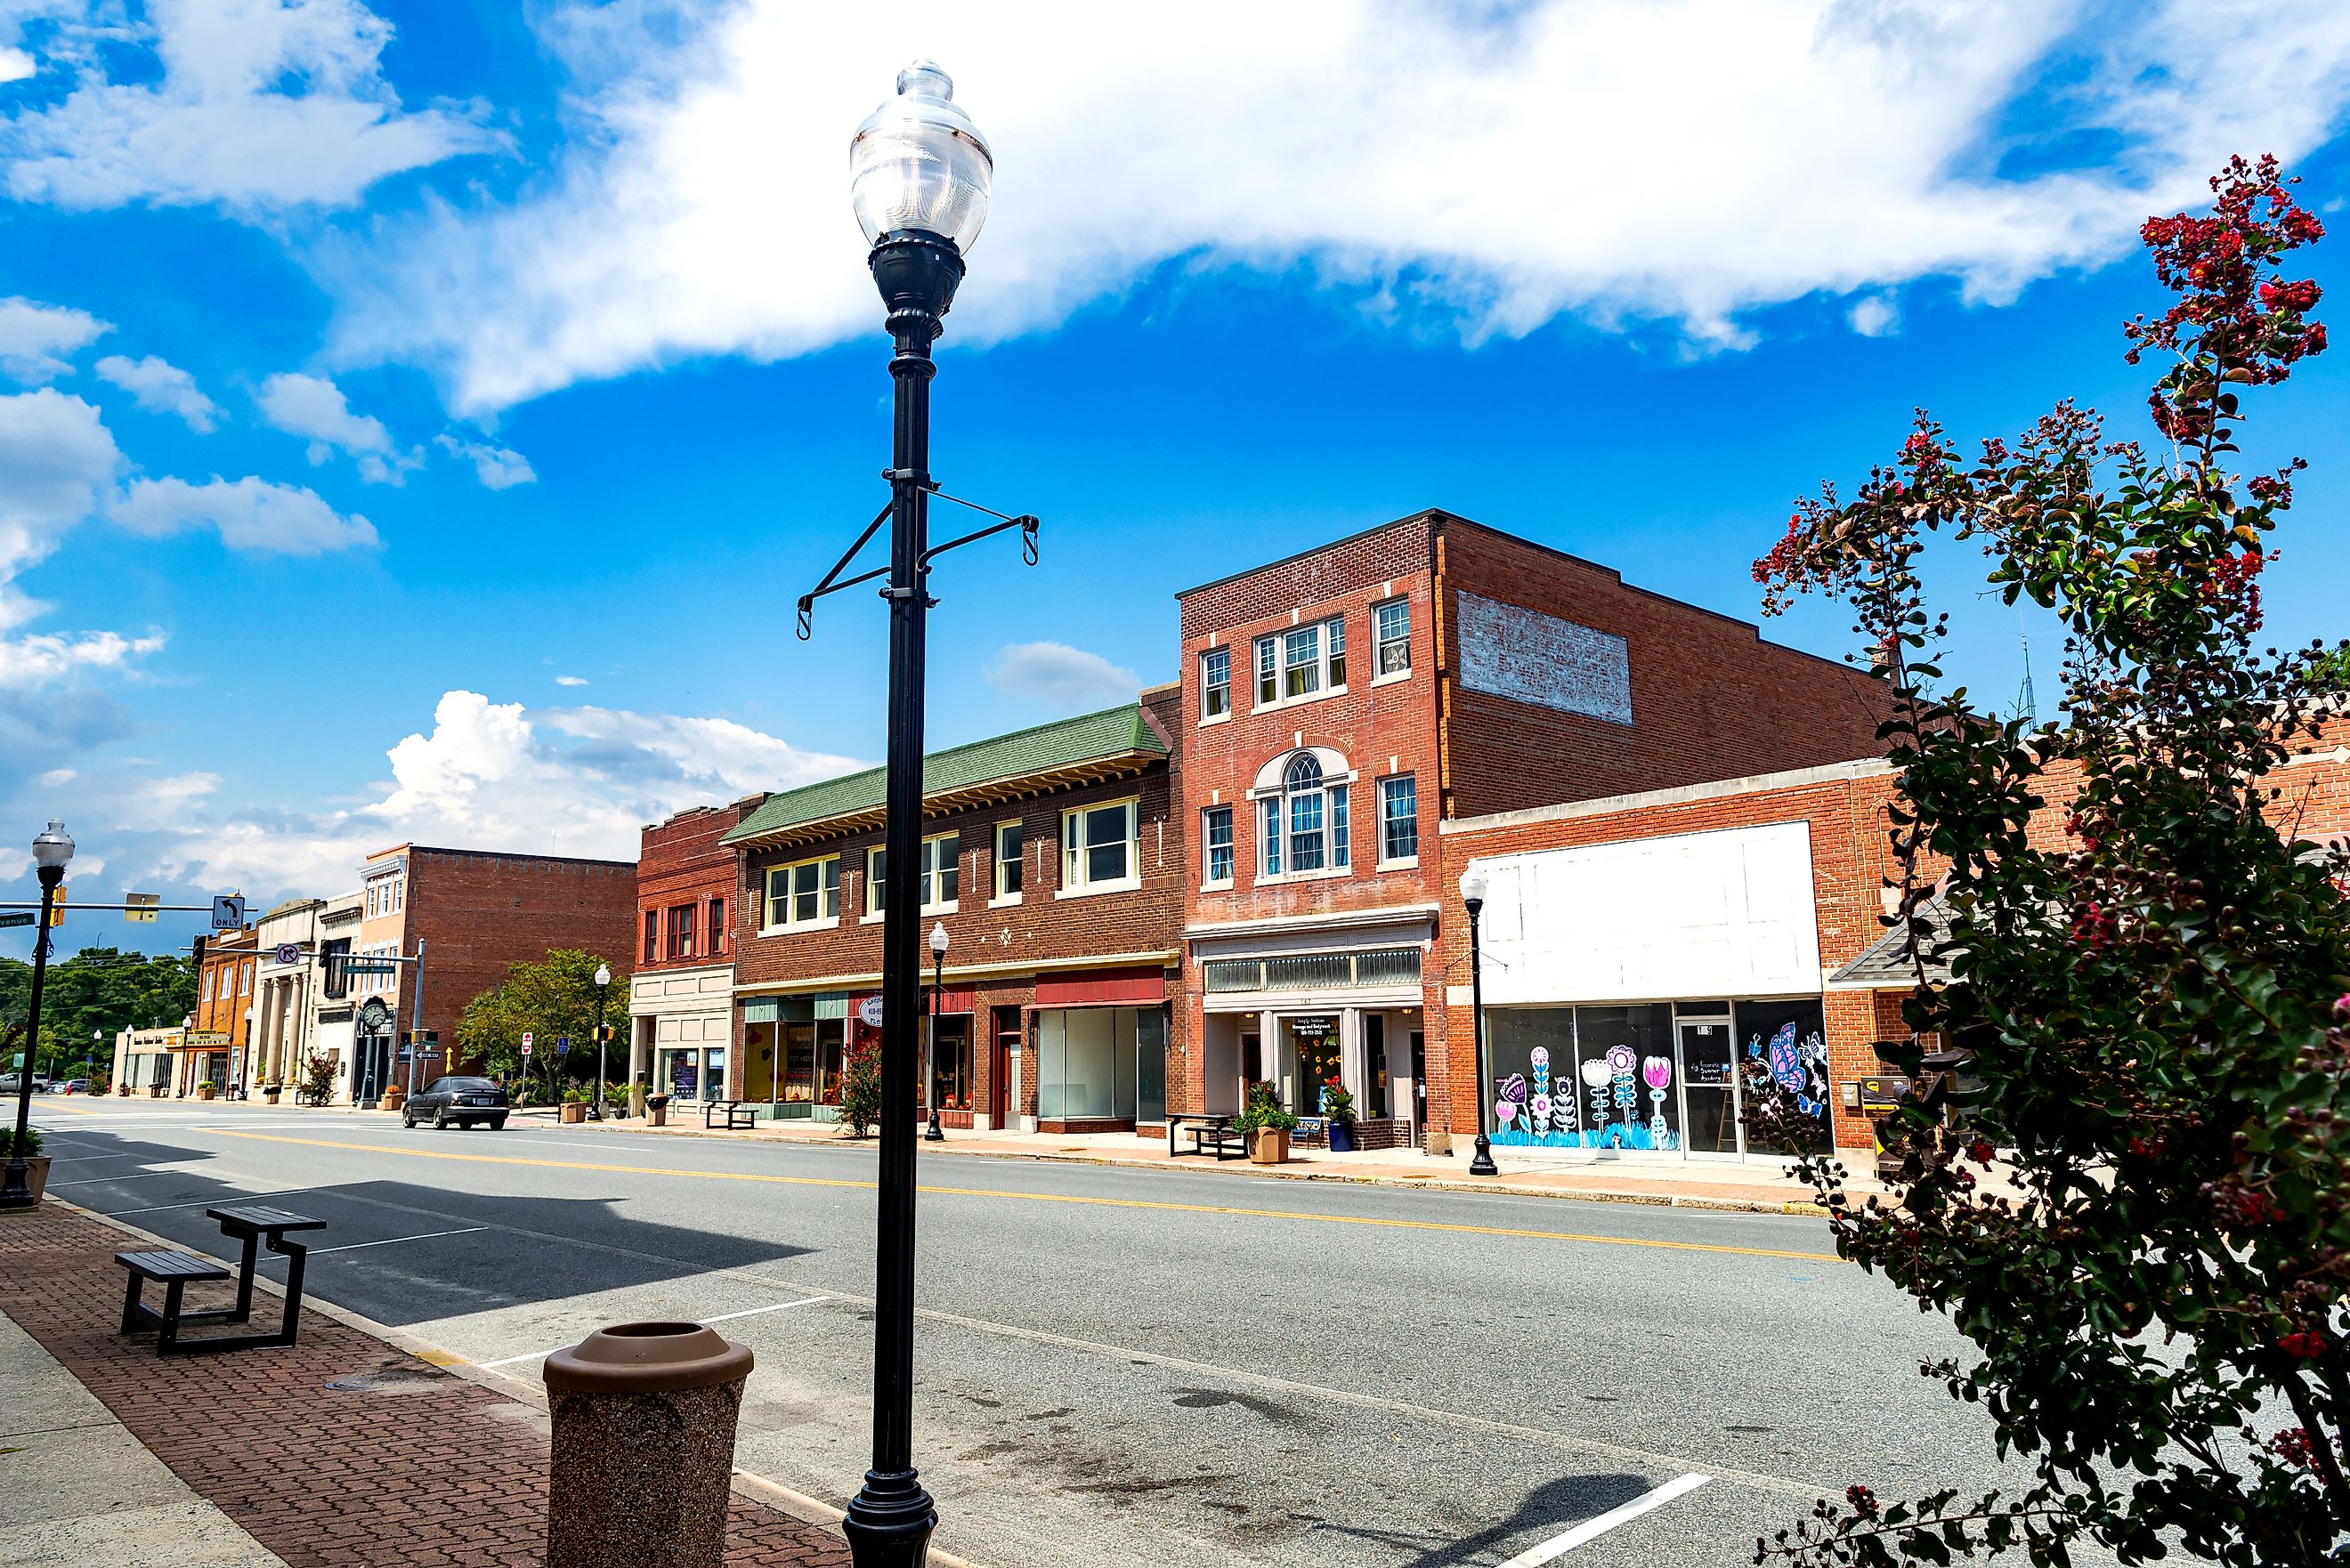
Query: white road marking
390	1241
705	1321
201	1202
1558	1546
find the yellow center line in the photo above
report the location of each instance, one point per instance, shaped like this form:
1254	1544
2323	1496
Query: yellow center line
1049	1197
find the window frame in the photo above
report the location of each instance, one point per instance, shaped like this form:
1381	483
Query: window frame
999	895
827	895
1223	709
1388	786
1381	642
1075	882
652	936
1328	668
935	872
1209	816
875	893
1327	803
680	931
713	913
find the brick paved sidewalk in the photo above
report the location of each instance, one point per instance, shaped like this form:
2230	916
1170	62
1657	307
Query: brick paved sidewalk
339	1450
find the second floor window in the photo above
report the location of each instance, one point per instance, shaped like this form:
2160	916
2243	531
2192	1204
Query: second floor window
652	936
1399	818
1216	833
680	931
1303	661
876	864
1009	847
1099	847
1391	630
1215	683
805	894
717	925
1303	828
942	871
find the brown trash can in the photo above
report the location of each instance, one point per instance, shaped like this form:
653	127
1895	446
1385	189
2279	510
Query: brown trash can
644	1417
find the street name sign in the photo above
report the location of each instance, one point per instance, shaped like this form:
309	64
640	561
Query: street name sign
27	918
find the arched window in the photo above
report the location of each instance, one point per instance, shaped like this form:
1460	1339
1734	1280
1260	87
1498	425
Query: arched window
1302	828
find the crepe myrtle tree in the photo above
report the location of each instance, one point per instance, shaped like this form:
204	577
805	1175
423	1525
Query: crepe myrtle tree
2153	985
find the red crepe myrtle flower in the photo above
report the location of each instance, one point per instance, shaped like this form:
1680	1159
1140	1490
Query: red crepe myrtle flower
2278	295
2308	1344
1863	1501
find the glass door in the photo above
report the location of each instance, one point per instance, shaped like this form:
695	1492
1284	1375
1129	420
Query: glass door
1709	1086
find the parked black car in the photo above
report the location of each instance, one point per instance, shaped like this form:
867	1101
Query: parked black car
457	1100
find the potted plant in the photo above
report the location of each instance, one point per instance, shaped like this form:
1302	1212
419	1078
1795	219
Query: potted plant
575	1105
318	1081
394	1097
37	1164
204	1090
1266	1124
1338	1107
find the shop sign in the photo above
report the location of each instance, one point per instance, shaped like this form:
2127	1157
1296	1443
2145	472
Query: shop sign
208	1037
1312	1028
869	1013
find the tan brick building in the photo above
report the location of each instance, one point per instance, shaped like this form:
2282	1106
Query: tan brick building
473	913
1341	705
1055	859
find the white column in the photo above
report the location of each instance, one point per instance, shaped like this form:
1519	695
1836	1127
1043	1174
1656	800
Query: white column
1354	1067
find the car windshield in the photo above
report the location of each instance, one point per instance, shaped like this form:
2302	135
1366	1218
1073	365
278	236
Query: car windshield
466	1085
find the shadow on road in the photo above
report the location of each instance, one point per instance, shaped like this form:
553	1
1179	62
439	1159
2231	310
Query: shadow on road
1551	1507
501	1250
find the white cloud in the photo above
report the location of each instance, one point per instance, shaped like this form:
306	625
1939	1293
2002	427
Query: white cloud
38	659
571	680
1874	316
487	776
250	513
16	64
1484	168
1065	677
56	456
257	104
497	467
160	387
315	406
32	336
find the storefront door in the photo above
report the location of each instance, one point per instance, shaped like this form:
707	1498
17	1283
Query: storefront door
1708	1087
1315	1042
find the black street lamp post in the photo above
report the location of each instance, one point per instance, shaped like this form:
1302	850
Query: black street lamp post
52	847
1472	894
934	1132
919	178
603	989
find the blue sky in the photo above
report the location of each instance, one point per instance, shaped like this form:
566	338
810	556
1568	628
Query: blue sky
417	420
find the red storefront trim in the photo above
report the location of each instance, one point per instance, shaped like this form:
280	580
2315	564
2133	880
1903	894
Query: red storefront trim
1143	983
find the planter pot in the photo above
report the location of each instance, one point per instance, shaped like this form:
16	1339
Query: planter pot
269	1096
1268	1146
154	1090
36	1174
203	1091
658	1115
574	1111
1342	1138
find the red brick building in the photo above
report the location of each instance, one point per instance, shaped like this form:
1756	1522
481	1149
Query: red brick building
1055	857
1716	932
473	913
1340	705
213	1050
681	999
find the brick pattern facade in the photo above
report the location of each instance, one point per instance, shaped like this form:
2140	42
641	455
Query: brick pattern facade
682	866
224	1003
997	952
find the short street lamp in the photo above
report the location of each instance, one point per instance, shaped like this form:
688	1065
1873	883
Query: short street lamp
1472	894
603	989
52	847
918	175
934	1132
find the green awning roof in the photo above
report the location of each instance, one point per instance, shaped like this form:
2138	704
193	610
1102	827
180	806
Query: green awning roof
1066	743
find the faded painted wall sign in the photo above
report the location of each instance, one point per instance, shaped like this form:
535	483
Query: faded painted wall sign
1529	657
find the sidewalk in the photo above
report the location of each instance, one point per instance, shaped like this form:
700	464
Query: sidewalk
339	1450
1525	1173
76	1487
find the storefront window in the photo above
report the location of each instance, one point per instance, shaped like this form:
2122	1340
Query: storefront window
1150	1065
951	1072
1373	1101
1782	1055
1315	1040
1085	1062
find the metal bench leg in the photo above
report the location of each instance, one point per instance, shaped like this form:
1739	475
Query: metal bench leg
134	1310
166	1342
297	1255
244	1312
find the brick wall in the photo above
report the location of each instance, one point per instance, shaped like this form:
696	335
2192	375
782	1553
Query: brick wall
681	862
479	913
1710	699
229	975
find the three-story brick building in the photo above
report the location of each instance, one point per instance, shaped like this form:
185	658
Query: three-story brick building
1339	705
1055	858
681	1001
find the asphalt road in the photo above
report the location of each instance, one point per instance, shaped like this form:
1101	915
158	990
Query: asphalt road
1133	1366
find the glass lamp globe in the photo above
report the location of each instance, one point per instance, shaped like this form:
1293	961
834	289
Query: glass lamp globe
53	847
917	162
1473	884
939	938
603	974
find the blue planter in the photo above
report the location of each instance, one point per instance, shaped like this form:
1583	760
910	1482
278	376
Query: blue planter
1342	1138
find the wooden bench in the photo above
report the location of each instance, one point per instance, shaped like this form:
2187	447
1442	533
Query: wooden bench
738	1115
1210	1135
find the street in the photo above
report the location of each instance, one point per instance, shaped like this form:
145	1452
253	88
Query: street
1123	1366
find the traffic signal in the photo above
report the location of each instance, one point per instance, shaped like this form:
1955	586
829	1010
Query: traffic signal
58	909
